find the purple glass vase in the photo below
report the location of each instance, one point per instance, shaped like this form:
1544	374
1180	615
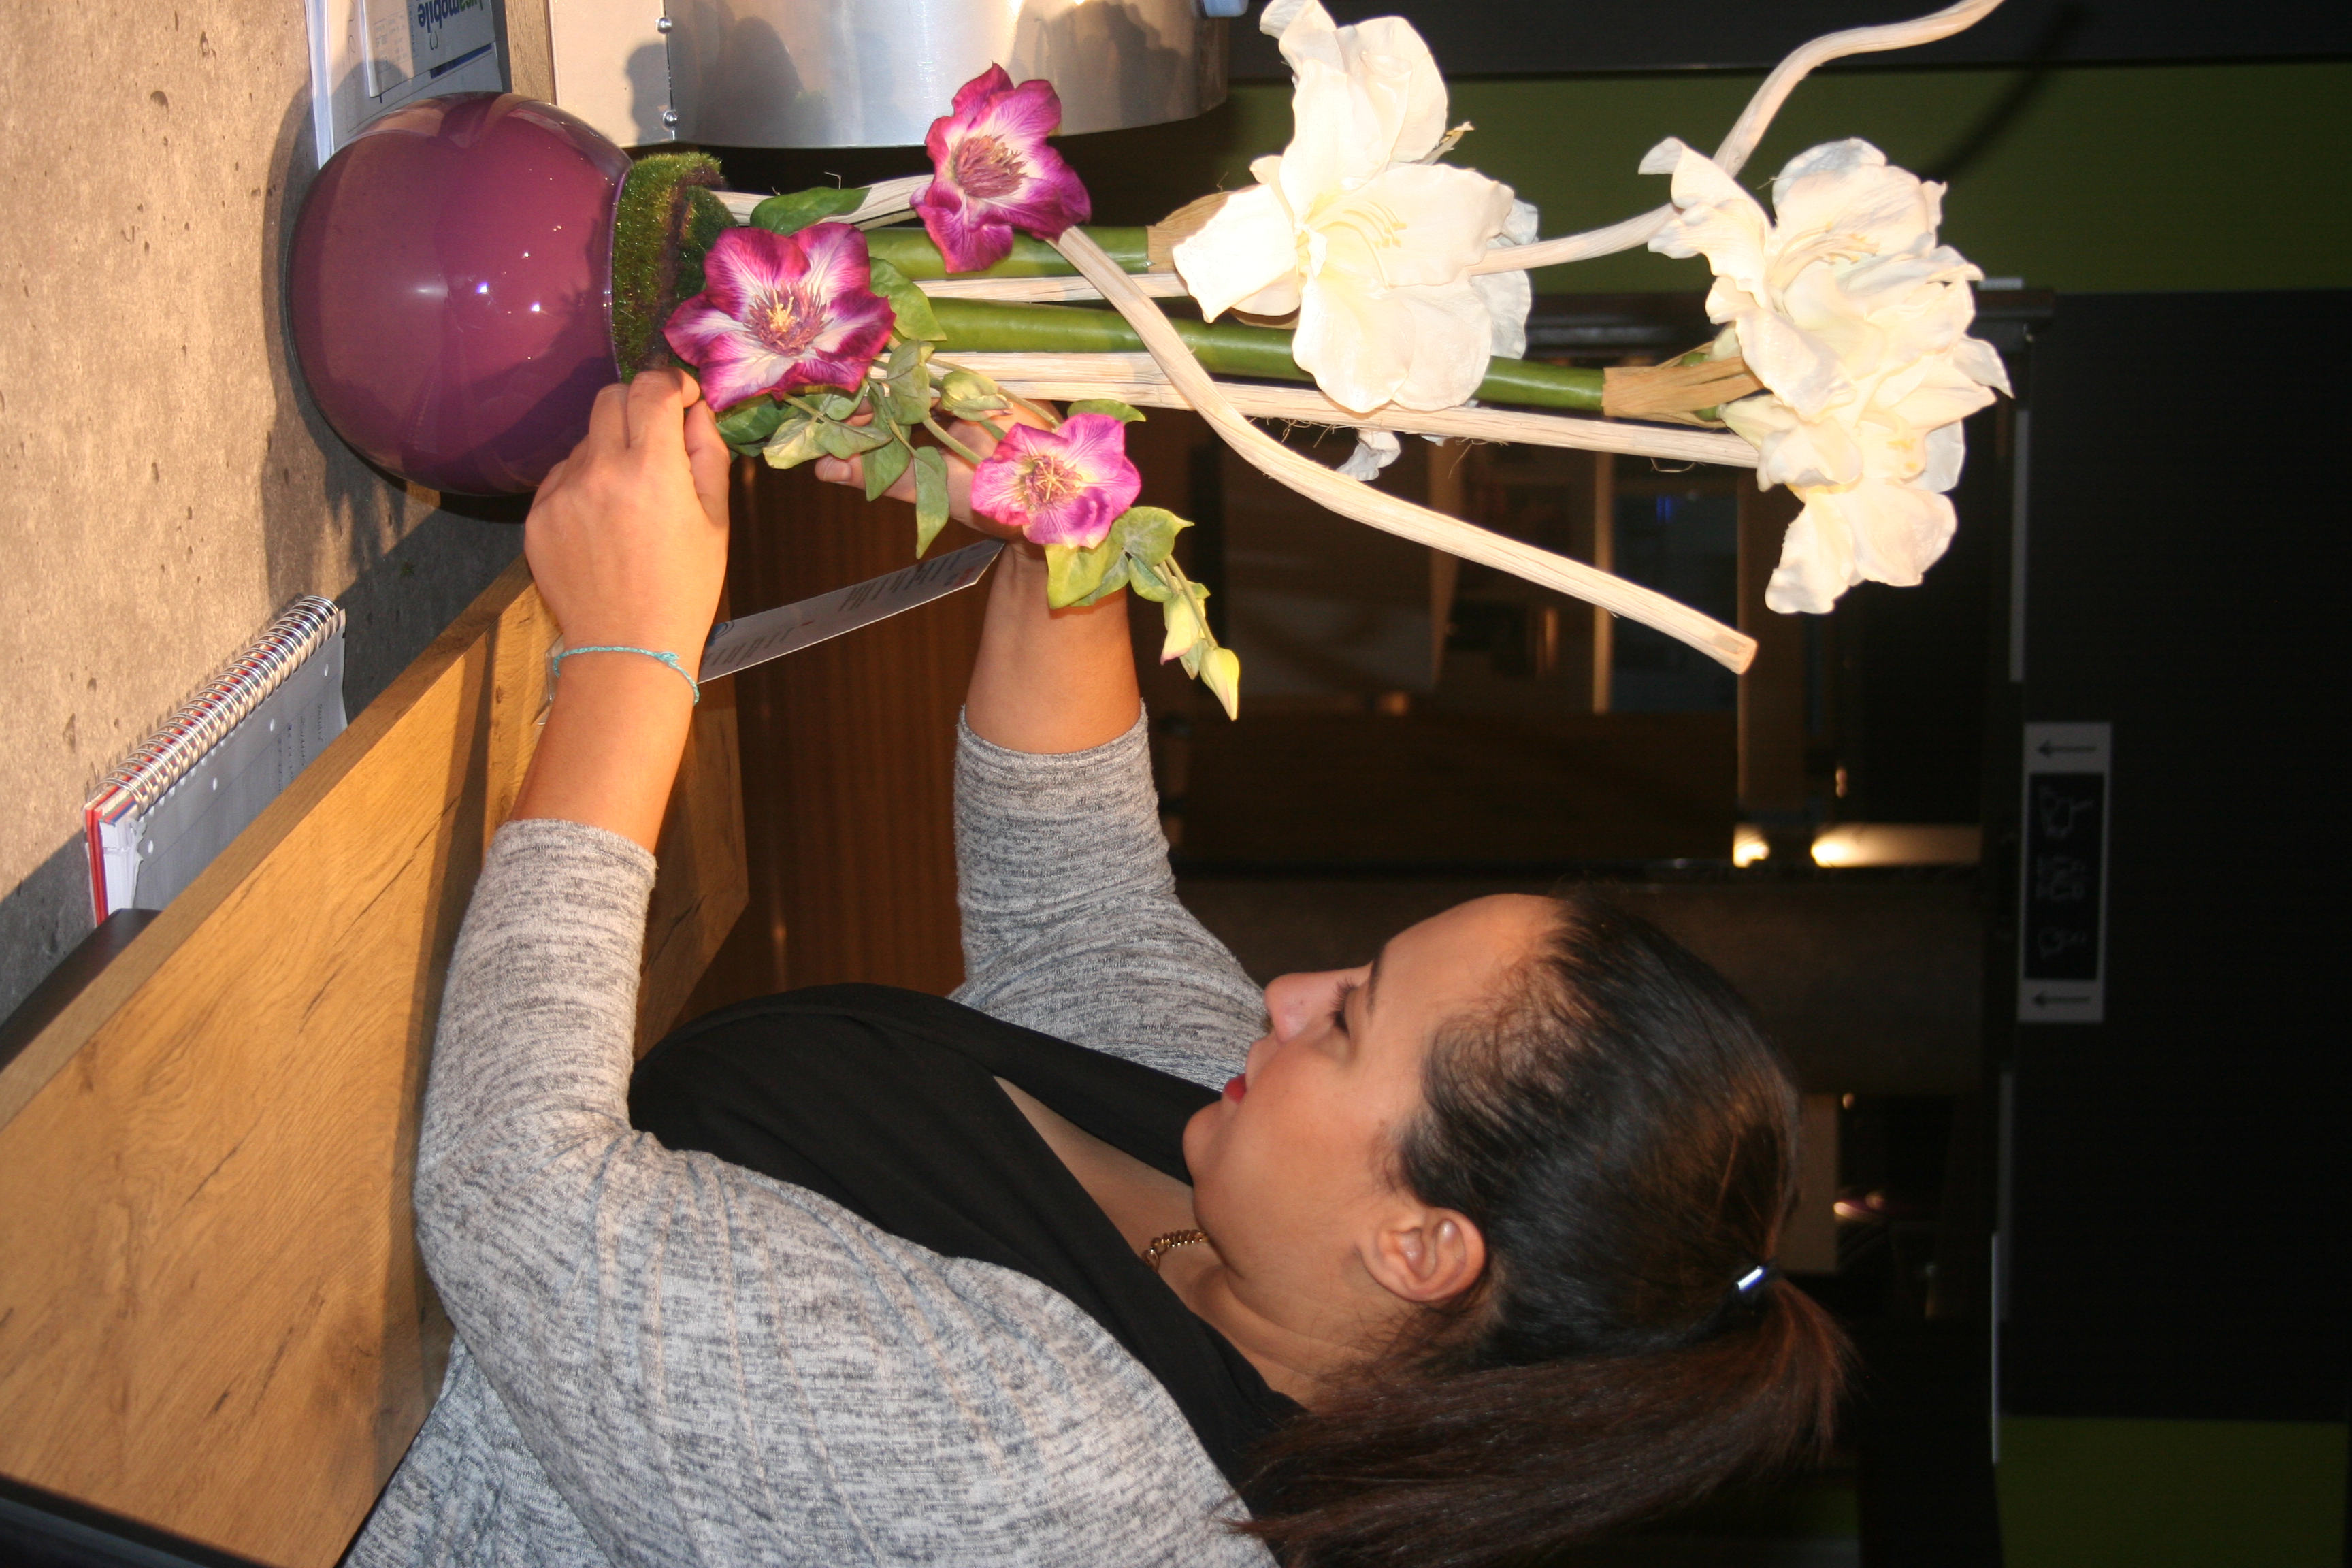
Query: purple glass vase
451	288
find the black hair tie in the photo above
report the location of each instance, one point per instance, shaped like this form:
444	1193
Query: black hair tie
1746	1285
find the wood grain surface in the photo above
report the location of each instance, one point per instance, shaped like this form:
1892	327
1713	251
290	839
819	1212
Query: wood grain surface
213	1317
849	753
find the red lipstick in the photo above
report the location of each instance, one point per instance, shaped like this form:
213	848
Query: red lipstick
1235	1088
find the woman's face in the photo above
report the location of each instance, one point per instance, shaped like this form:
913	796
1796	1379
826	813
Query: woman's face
1294	1167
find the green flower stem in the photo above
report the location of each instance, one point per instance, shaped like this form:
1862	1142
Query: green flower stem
951	444
1223	348
910	250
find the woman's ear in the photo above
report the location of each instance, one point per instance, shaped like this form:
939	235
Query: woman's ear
1428	1256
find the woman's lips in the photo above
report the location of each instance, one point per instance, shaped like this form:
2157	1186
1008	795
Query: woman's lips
1235	1088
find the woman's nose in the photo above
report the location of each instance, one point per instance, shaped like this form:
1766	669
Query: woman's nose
1295	1001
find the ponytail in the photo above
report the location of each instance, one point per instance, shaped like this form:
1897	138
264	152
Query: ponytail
1624	1137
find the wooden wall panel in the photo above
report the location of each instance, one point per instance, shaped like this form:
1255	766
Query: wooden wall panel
849	753
213	1318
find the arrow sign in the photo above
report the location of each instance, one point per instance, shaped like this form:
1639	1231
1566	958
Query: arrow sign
2063	875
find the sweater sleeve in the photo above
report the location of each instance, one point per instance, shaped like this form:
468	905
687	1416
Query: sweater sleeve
712	1366
1071	923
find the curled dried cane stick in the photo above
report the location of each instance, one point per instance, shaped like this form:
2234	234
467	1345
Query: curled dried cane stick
1352	497
1746	131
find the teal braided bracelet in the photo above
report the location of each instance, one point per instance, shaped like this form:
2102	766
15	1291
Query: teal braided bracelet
555	663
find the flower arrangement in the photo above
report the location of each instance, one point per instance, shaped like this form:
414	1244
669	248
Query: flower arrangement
1360	262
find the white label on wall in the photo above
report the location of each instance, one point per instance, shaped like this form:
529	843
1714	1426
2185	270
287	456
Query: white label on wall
2063	875
370	56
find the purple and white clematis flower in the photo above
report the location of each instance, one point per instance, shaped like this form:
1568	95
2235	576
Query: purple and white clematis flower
995	172
1060	487
781	312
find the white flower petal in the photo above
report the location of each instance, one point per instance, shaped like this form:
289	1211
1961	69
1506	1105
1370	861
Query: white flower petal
1982	363
1799	368
1816	563
1508	296
1389	57
1662	158
1947	449
1898	531
1335	141
1413	223
1355	342
1247	245
1716	219
1278	14
1375	451
1451	344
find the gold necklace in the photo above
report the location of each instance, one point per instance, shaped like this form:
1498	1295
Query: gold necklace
1161	1245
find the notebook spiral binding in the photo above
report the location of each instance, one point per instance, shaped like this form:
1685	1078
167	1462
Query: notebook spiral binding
150	772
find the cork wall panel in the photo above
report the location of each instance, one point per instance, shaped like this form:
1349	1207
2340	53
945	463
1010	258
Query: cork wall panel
165	484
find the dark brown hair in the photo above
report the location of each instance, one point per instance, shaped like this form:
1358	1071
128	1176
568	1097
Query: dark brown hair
1624	1137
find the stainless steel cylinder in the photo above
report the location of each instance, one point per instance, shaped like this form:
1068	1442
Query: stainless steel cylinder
875	73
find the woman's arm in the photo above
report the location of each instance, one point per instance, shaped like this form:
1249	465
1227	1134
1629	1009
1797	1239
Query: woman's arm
1046	680
1071	923
707	1365
627	542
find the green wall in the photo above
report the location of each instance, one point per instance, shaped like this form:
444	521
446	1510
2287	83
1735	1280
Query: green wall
2171	1494
2138	177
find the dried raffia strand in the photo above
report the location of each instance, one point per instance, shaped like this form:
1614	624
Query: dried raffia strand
1674	391
1746	132
1352	497
1138	379
883	204
1043	290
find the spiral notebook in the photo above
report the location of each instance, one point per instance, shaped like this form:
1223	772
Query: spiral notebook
159	819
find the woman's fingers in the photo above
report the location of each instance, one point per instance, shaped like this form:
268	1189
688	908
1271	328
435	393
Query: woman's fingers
709	459
656	408
608	420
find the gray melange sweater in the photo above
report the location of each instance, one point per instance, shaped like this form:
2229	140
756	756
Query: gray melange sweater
666	1359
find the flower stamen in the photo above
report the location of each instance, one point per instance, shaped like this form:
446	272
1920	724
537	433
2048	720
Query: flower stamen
987	168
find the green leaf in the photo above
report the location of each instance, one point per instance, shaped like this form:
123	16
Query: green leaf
794	443
1221	671
747	426
848	440
793	212
1143	577
841	405
930	495
1082	575
1147	533
969	394
1185	626
1123	413
909	305
883	467
907	392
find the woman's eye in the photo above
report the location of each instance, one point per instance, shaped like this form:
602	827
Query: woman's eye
1340	1005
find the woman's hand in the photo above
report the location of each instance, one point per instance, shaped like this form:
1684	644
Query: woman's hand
627	536
628	541
1046	680
852	471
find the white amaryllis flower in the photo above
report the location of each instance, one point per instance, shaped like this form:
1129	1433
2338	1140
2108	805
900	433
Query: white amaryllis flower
1350	227
1856	321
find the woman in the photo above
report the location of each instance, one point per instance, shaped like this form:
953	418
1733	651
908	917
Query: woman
1446	1259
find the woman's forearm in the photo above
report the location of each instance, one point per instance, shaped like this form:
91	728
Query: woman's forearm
1050	680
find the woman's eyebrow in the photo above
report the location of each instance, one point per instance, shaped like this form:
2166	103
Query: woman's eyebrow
1372	980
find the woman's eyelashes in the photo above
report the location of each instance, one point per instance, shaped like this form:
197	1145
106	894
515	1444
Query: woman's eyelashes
1340	1003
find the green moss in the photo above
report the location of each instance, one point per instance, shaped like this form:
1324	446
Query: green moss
667	222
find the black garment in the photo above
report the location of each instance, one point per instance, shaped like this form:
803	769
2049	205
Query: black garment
884	1101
